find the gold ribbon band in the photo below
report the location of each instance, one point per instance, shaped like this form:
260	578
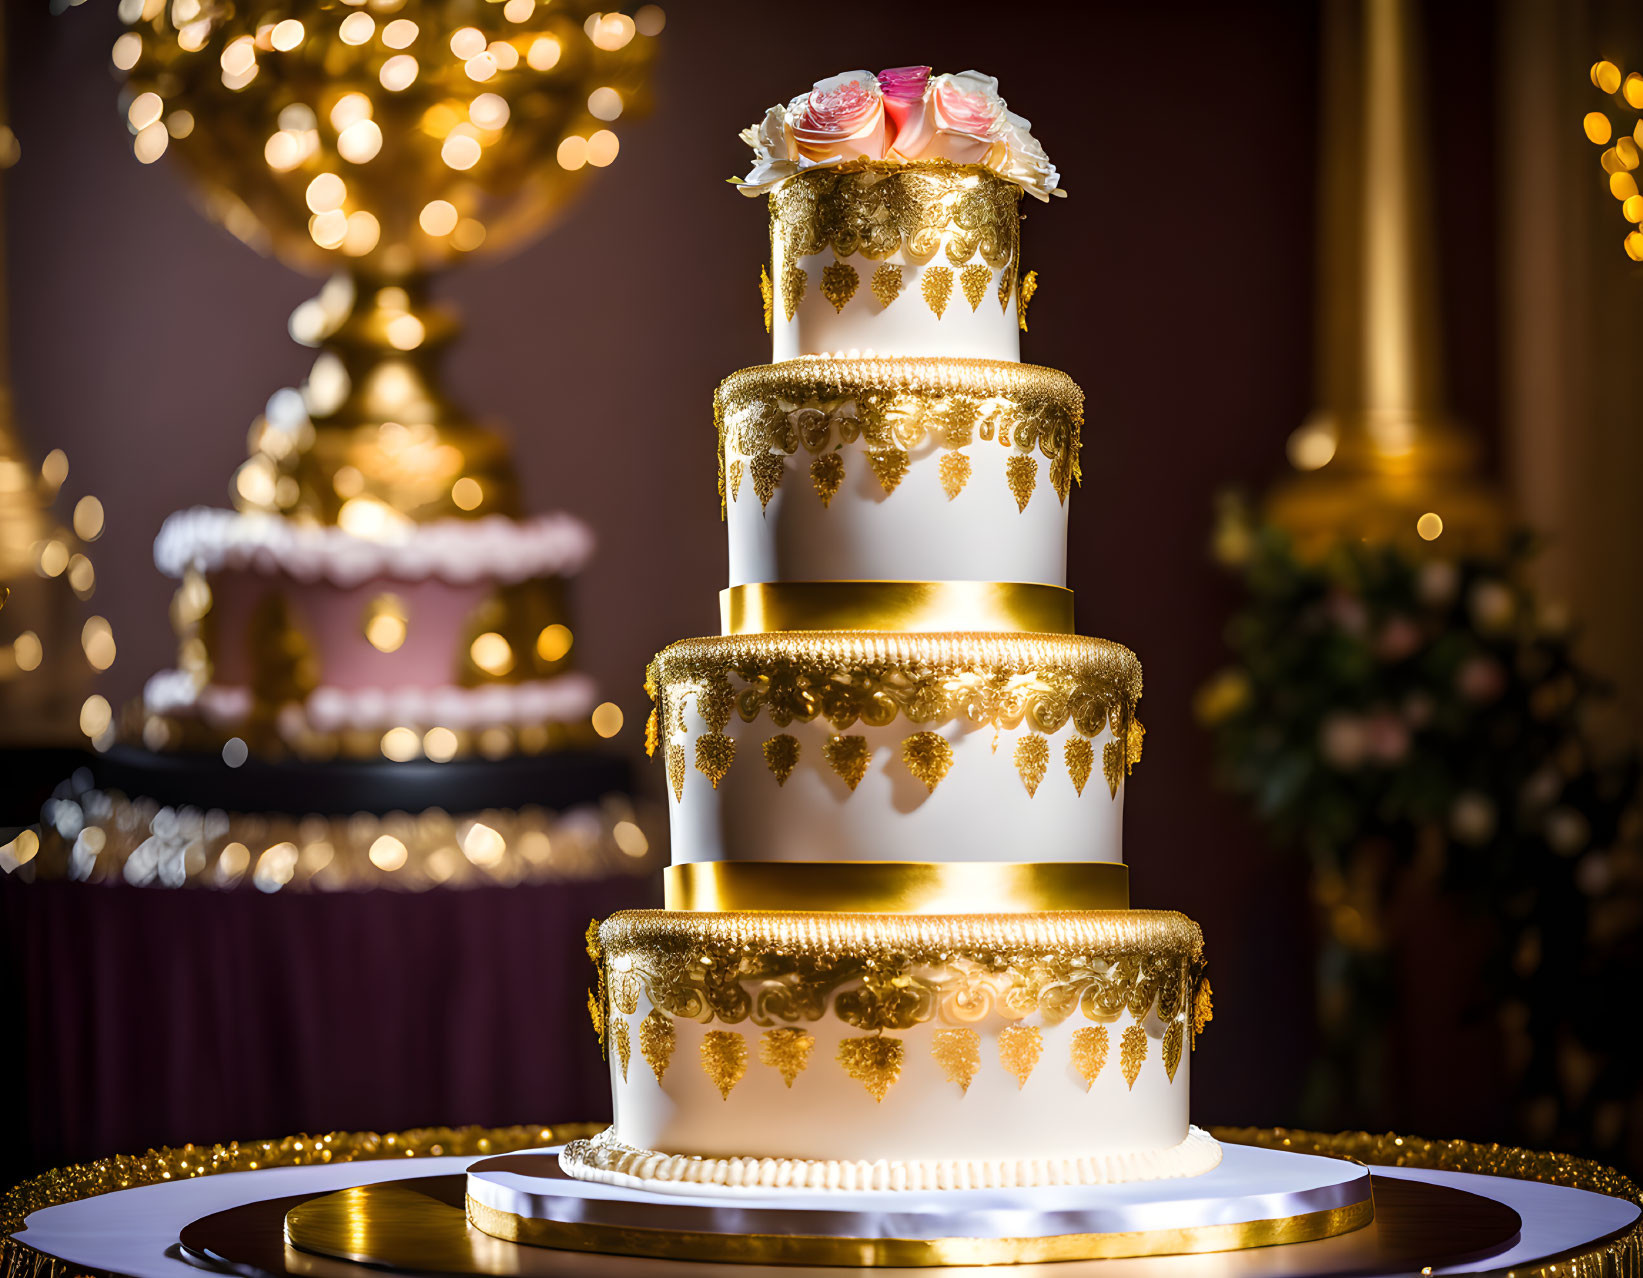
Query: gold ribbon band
898	887
916	606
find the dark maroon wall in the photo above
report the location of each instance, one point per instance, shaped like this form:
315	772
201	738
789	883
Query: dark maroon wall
1176	288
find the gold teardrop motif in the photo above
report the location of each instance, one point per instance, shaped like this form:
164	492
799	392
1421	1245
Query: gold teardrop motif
767	470
848	757
1132	1053
733	478
826	475
1019	1047
838	283
1172	1049
886	284
1080	757
1132	744
937	288
715	752
928	756
974	282
1022	472
1089	1052
781	756
656	1040
767	293
1006	286
889	466
874	1062
955	473
724	1059
676	770
958	1052
793	282
1112	765
1032	760
653	734
786	1050
624	1047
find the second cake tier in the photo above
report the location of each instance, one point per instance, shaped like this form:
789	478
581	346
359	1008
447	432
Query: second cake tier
826	746
903	469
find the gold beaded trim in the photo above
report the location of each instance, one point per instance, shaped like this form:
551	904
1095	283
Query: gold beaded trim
888	408
1033	682
891	972
878	209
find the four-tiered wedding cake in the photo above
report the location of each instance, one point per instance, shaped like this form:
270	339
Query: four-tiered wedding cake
897	951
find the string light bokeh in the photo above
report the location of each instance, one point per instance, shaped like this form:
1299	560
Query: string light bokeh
1621	154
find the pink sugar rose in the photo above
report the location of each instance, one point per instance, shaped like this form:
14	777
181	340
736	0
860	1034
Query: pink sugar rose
841	118
961	119
903	89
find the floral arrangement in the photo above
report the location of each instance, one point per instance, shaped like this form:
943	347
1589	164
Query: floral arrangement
1417	725
901	115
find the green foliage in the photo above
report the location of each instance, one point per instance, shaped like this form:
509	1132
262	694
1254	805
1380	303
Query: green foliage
1392	711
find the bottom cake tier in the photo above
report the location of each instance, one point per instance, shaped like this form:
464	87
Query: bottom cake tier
887	1051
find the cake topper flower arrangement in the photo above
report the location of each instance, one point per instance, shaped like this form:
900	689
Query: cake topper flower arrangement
902	115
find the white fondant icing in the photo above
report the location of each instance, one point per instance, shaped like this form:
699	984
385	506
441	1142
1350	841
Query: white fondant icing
456	550
981	810
906	327
566	698
826	1116
916	533
609	1162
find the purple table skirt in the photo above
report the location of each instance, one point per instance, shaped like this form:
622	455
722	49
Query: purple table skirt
141	1017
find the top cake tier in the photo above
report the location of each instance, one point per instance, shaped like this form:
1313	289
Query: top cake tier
894	217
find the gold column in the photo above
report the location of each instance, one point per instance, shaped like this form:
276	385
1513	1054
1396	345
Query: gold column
1379	459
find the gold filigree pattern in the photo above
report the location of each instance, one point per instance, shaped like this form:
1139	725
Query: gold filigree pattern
892	972
1203	1008
734	479
598	996
958	1052
1022	475
1080	758
1132	1053
786	1050
657	1038
974	281
874	1062
1019	1047
1006	288
889	467
886	284
793	282
839	283
1089	1052
676	770
1132	744
653	736
877	209
826	476
1040	683
781	756
820	406
767	295
1032	760
715	752
955	473
1029	286
624	1046
767	470
848	757
724	1059
928	756
1173	1034
937	287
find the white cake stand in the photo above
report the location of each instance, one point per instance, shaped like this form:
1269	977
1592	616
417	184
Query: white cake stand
1254	1198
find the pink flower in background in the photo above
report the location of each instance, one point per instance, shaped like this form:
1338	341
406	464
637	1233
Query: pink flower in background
1386	739
1480	679
1399	638
903	89
841	118
961	119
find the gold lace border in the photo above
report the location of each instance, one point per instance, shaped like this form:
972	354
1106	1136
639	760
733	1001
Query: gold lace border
770	412
898	887
879	972
909	606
